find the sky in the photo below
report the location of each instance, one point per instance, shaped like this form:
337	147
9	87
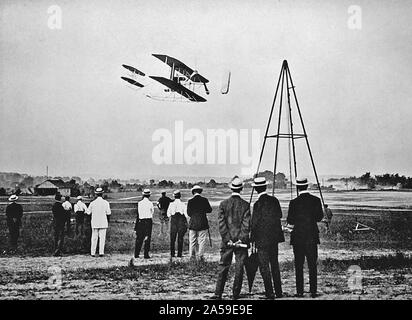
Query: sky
63	104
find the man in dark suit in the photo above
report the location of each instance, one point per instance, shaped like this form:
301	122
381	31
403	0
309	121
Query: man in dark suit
304	213
197	208
59	219
266	233
328	218
234	225
14	213
163	204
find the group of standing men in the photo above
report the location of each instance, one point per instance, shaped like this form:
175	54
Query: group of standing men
94	226
179	214
92	221
239	229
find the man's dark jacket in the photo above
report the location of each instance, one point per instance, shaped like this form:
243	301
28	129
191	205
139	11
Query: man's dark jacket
304	213
164	202
59	214
266	229
234	220
197	208
14	213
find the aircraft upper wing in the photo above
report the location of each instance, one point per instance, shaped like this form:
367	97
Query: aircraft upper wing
181	68
177	87
134	70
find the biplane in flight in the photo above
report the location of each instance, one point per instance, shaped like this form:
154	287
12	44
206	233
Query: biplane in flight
181	85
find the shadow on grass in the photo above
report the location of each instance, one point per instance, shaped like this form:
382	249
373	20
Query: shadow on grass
397	261
153	271
199	269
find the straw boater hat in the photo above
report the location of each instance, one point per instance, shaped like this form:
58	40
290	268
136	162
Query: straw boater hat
146	192
13	198
236	184
197	187
176	192
259	182
301	182
98	190
79	198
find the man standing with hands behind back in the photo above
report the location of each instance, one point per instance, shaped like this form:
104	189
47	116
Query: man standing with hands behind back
100	211
304	213
266	232
197	209
234	225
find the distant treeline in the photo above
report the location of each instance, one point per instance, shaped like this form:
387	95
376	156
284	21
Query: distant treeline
11	182
387	179
16	183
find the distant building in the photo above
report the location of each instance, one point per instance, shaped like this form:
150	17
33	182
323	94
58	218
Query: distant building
52	186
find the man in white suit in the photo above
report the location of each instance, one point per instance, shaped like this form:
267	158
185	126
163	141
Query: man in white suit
99	209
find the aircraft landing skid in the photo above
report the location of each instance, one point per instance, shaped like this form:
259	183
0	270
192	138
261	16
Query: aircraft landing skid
361	227
169	99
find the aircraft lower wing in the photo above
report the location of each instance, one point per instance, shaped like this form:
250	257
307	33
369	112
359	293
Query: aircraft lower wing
178	88
131	81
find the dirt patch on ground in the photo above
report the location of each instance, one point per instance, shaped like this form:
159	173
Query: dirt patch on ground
111	277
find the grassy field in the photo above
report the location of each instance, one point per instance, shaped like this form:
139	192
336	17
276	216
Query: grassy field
393	227
384	255
384	277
